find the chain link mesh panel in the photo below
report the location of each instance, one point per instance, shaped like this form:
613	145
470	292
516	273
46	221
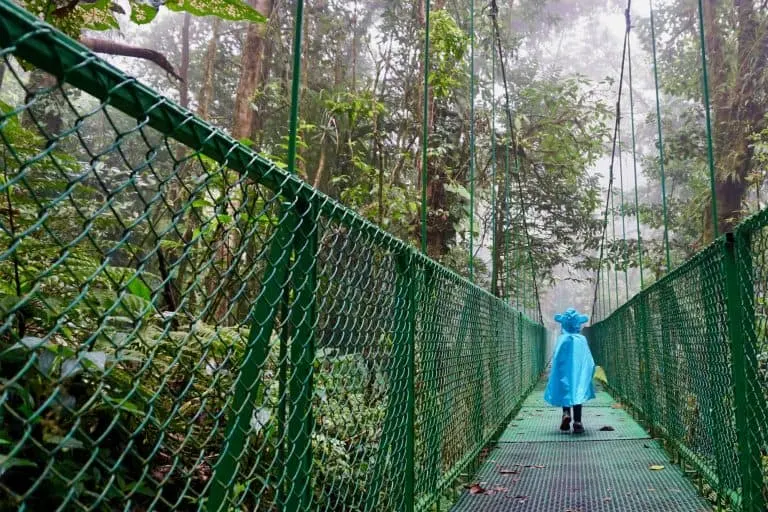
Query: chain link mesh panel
185	326
688	354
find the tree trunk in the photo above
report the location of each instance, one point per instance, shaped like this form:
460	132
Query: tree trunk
184	68
206	92
250	72
736	115
438	222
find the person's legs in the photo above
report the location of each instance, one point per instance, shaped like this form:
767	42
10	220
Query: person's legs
565	425
578	428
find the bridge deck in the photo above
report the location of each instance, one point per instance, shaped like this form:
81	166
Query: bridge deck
535	467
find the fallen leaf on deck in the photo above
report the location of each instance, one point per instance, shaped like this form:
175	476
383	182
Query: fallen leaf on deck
607	428
656	467
476	489
617	405
508	471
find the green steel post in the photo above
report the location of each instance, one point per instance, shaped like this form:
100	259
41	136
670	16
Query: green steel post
388	437
647	398
495	359
714	337
615	266
302	319
282	405
671	309
407	283
661	141
523	382
666	343
247	387
396	446
494	283
432	359
634	164
710	152
301	354
507	223
741	331
425	132
472	140
293	126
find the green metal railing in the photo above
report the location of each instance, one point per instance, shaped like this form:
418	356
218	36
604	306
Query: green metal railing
187	326
690	355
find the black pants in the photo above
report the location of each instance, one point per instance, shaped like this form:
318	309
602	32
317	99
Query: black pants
576	413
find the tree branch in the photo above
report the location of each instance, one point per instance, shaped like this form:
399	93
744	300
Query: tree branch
115	48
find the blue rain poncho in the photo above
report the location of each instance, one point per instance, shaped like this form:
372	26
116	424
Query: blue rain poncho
570	381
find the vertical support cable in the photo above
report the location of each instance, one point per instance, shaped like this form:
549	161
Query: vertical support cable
661	141
518	264
740	295
624	251
507	222
608	272
610	168
517	246
634	159
472	140
710	152
613	235
494	284
425	132
295	85
508	109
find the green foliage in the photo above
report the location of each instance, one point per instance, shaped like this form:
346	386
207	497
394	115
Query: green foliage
233	10
448	45
74	17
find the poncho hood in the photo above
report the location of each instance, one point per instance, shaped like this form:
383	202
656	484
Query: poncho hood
571	321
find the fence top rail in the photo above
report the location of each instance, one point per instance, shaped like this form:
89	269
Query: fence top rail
27	37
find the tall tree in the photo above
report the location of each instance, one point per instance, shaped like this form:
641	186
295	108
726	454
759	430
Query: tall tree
252	72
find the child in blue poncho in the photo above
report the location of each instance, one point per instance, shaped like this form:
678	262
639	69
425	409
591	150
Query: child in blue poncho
573	369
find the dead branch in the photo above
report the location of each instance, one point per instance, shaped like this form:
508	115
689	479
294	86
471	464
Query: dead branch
115	48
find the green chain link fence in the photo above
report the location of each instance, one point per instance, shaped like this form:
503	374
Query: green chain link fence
690	355
186	326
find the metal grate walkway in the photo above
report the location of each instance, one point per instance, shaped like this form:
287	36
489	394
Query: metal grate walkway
535	467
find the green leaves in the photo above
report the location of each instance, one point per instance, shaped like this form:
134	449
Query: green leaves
98	15
233	10
448	44
141	12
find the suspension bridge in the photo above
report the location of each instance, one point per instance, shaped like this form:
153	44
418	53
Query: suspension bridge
328	365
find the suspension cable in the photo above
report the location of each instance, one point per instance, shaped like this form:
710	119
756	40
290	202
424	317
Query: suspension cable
634	162
497	36
661	141
613	155
624	251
